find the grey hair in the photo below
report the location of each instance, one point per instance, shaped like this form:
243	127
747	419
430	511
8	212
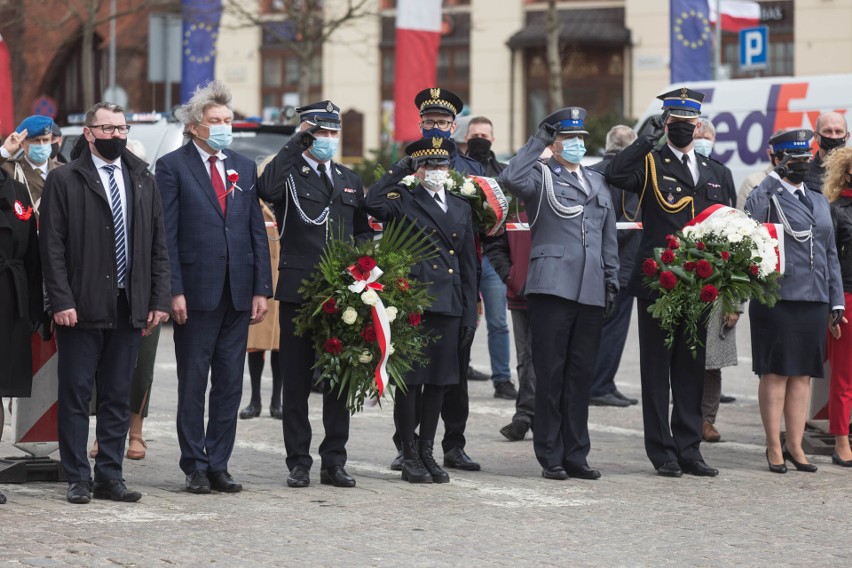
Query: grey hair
111	107
704	125
214	93
619	137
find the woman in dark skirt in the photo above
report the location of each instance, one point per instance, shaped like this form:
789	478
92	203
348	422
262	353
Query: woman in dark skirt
788	340
20	290
451	278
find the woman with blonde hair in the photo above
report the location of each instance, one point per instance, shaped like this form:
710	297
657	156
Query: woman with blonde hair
837	188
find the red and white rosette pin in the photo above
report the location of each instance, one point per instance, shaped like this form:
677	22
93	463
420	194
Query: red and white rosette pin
21	213
233	178
366	273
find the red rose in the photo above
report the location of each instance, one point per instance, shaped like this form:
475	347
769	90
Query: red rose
369	333
672	242
329	306
726	256
667	257
668	280
414	319
704	269
649	267
366	264
402	284
333	346
689	266
709	293
754	270
233	176
700	245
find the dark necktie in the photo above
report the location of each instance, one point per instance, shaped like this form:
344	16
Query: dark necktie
803	198
325	180
218	184
685	160
439	201
118	226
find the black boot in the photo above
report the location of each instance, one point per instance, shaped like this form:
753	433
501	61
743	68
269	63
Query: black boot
412	468
438	474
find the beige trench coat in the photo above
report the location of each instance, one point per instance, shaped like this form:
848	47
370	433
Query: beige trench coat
265	335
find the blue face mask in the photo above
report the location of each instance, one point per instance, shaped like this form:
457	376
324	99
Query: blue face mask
324	148
436	133
39	153
220	136
702	146
573	149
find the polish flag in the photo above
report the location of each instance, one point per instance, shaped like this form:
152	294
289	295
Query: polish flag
7	107
418	36
736	14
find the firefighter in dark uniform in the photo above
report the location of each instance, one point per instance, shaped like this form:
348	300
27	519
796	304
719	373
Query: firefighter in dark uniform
674	185
316	200
451	278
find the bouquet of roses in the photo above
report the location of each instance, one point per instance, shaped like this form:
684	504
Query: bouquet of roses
363	313
721	256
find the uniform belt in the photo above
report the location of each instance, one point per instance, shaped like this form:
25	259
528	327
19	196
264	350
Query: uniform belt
8	264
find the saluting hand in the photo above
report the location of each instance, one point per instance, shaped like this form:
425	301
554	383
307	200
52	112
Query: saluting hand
13	142
306	138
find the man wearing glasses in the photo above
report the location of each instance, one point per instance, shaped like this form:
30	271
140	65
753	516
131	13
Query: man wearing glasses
106	276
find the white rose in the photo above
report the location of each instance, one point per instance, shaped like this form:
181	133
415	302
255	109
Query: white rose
391	313
365	357
468	188
349	316
450	183
370	297
409	181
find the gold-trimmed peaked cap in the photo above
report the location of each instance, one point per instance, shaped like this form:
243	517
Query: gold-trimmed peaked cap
324	113
568	120
430	151
682	102
436	99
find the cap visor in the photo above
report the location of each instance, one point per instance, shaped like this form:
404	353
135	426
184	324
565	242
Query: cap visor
326	124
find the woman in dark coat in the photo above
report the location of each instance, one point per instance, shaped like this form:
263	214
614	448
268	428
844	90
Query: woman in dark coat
20	290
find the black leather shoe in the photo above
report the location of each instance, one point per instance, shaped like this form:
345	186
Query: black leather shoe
250	411
515	431
835	459
396	464
337	476
79	492
458	459
223	482
620	395
699	468
276	412
198	482
806	467
583	472
115	490
670	469
609	399
474	375
299	476
505	390
725	399
775	468
556	472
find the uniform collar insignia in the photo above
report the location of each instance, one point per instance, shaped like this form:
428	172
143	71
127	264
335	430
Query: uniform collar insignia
670	198
306	170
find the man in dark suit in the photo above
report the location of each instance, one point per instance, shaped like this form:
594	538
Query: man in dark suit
220	280
106	276
674	185
316	200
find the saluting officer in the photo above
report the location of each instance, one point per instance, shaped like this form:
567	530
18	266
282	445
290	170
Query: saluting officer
674	185
451	278
571	285
316	199
438	110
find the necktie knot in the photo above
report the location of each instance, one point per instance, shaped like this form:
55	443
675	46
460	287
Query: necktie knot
685	159
438	198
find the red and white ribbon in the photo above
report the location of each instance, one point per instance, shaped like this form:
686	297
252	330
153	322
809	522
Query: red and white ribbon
621	226
380	319
776	231
495	198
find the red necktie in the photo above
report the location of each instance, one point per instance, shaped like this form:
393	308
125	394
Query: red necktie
218	185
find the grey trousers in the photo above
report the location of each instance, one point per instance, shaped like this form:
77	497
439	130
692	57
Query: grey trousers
525	403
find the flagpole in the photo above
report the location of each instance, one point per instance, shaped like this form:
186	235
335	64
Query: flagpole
717	42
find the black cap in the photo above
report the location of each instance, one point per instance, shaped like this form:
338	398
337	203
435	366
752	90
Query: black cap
55	130
436	99
795	143
430	151
682	103
324	113
568	120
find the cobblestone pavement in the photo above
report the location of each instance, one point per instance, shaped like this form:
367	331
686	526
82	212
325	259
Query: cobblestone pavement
504	515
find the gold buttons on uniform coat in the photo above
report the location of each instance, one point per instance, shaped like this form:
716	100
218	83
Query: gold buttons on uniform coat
454	234
450	270
452	252
434	267
677	189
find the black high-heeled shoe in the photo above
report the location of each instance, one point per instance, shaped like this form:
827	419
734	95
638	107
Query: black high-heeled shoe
807	467
779	468
835	459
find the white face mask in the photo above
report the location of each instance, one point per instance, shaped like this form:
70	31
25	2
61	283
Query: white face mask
435	179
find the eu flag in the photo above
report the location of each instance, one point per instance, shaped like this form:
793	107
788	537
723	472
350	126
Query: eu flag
200	30
690	41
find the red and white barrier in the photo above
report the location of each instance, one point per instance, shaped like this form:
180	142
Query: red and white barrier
35	424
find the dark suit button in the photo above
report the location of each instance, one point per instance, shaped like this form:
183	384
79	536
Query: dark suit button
221	258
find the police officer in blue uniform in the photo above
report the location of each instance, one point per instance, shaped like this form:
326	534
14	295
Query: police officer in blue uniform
315	199
571	285
451	278
674	185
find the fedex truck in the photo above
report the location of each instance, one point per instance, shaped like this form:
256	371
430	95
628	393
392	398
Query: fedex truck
746	112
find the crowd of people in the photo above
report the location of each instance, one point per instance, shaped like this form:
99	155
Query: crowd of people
101	252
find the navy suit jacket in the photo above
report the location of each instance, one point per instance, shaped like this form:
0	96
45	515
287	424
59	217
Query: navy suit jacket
205	244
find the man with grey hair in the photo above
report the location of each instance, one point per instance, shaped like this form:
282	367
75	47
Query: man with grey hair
220	280
830	132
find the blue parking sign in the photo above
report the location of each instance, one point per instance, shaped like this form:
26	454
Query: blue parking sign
754	45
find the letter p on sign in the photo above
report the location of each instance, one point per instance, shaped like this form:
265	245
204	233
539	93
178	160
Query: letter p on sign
754	44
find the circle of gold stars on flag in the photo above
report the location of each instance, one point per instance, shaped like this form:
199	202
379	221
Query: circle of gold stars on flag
704	24
200	28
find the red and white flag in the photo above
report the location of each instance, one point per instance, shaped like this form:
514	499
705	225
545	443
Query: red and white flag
736	14
418	36
7	106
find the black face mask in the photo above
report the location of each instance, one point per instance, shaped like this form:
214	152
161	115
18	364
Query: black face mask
54	150
796	172
680	133
828	144
479	149
110	149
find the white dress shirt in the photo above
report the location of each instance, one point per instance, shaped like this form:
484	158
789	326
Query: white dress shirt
122	193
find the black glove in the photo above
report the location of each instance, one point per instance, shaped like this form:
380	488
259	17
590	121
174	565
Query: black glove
42	326
609	301
782	171
407	165
655	129
546	134
305	138
836	316
466	337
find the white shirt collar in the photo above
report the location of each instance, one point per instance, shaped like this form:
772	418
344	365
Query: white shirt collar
100	162
42	167
791	187
679	155
205	156
314	163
